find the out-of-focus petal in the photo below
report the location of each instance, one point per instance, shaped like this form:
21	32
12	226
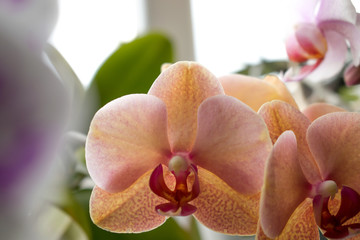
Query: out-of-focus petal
254	92
301	224
132	210
348	31
285	186
279	117
316	110
222	209
352	75
183	86
127	137
34	113
304	10
342	10
232	142
292	74
282	90
334	58
30	22
294	50
334	140
311	40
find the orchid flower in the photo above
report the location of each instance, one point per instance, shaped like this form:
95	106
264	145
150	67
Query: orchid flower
311	164
320	36
254	92
184	148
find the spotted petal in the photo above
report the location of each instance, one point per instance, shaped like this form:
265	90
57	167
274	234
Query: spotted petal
285	186
127	137
334	140
301	225
130	211
279	117
183	86
232	142
254	92
222	209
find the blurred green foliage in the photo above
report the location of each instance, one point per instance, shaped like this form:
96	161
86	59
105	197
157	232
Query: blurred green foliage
264	67
133	67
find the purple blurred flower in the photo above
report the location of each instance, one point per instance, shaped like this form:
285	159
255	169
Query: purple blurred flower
33	107
32	110
321	36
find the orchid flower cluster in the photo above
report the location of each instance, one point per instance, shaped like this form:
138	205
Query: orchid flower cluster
235	152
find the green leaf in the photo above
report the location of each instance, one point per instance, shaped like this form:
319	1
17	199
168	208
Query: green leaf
132	68
264	67
169	230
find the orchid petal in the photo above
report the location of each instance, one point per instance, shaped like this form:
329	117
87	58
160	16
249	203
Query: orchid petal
232	142
130	211
222	209
342	10
183	86
316	110
127	137
334	140
348	31
255	92
338	217
292	75
304	10
279	117
311	40
294	50
301	224
34	110
334	58
29	23
285	186
352	75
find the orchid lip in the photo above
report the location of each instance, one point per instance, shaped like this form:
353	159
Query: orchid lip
335	226
180	197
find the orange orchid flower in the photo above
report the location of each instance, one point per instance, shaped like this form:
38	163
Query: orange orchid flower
184	148
254	92
311	163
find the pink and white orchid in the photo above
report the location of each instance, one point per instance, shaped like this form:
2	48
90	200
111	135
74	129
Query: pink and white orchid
184	148
311	162
321	36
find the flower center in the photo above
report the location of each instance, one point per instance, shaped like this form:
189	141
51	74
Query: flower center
338	226
179	197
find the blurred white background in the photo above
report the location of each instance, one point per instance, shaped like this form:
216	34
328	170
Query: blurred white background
227	34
